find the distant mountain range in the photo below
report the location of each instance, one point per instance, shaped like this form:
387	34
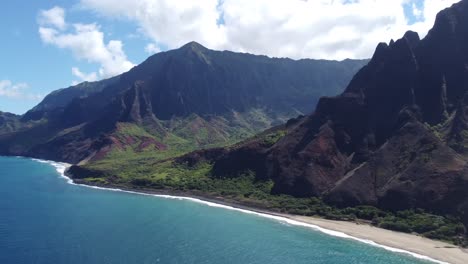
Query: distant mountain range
396	138
174	102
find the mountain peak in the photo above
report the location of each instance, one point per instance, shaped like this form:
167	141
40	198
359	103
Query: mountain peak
412	38
195	46
196	51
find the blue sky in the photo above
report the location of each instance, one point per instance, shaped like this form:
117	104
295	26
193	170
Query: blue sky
44	68
34	63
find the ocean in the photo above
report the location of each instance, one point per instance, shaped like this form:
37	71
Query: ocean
45	219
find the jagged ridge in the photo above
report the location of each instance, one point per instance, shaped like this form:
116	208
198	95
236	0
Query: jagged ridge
396	138
183	99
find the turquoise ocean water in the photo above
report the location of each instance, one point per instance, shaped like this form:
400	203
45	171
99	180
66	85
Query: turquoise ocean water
44	219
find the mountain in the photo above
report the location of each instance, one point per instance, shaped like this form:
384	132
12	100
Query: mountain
61	98
175	102
8	122
396	138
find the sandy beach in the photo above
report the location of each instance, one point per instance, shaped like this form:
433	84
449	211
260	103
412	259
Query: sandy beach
434	249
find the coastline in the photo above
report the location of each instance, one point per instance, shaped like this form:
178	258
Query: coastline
409	244
437	250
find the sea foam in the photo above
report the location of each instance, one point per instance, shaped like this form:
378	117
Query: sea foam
61	168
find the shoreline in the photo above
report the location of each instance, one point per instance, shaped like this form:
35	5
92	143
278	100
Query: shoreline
415	246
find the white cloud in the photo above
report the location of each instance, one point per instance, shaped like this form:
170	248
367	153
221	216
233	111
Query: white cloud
53	17
152	48
86	41
168	21
88	77
17	91
329	29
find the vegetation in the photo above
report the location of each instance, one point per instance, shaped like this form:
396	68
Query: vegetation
272	138
156	170
127	159
248	190
429	225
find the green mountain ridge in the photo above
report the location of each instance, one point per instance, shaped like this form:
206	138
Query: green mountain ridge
178	101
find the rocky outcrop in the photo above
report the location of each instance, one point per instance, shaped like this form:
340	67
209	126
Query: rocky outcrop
77	173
